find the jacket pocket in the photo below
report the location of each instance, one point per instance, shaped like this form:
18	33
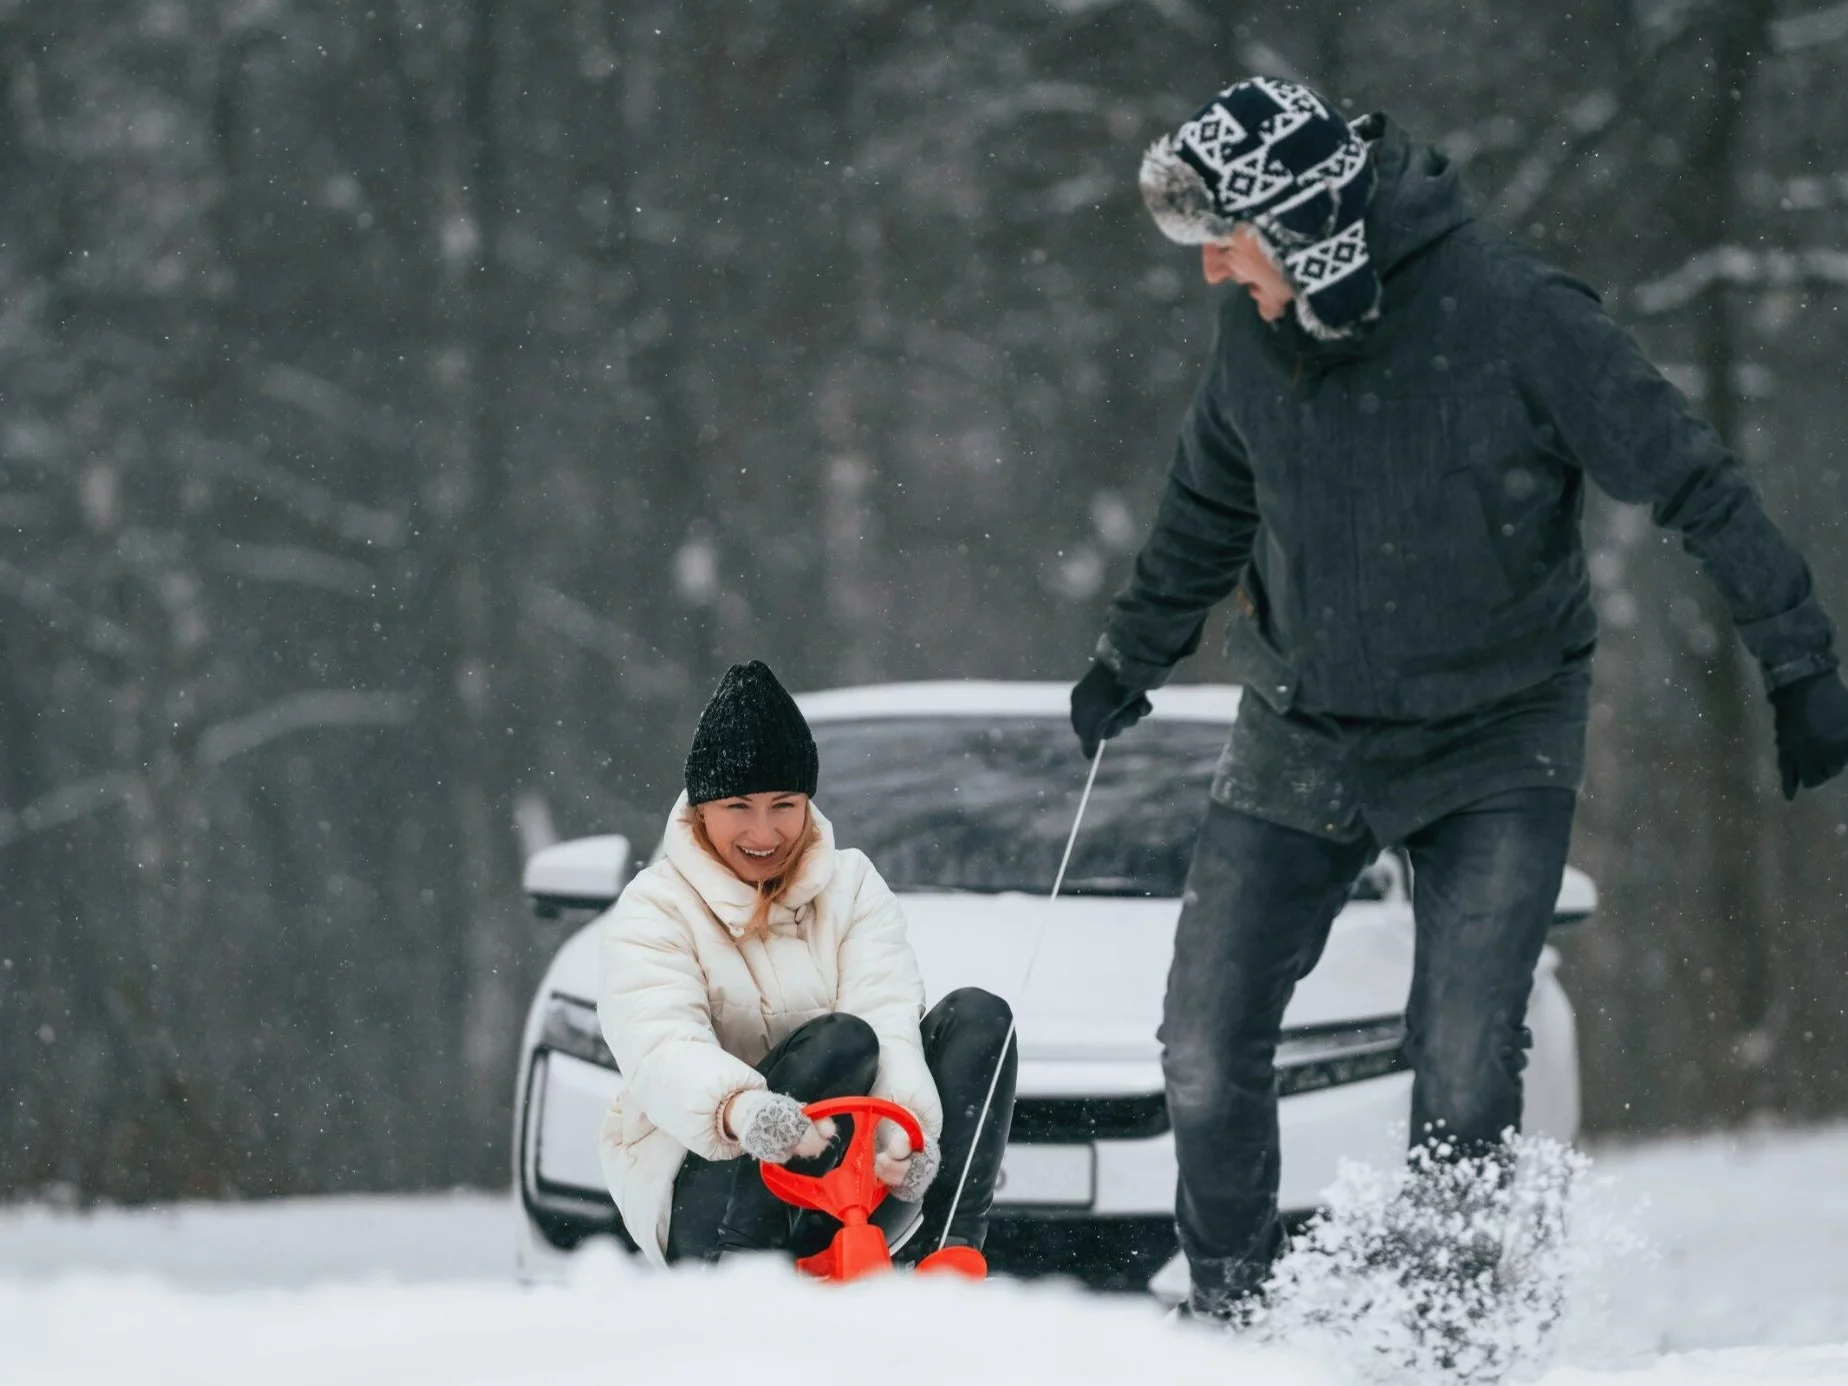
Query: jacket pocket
616	1140
1478	555
636	1127
1531	512
1256	663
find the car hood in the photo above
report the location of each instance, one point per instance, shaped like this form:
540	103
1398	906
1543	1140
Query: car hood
1086	975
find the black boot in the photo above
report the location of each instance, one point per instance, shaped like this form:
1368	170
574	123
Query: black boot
1229	1290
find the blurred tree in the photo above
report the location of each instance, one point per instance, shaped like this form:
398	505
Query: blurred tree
410	406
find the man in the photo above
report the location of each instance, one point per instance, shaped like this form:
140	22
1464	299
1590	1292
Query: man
1384	467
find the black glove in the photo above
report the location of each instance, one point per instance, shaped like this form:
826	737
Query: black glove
1812	730
1102	706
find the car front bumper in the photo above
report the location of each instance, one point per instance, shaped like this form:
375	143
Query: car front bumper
566	1097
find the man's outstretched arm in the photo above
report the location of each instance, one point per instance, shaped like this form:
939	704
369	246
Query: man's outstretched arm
1634	435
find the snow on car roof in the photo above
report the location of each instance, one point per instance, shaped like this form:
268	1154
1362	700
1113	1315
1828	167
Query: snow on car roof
1200	702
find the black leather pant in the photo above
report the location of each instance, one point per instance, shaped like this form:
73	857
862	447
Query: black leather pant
1260	900
722	1206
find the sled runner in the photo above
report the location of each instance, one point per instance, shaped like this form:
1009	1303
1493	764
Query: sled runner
850	1191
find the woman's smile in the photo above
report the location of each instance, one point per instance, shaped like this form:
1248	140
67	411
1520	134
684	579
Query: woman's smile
767	855
755	835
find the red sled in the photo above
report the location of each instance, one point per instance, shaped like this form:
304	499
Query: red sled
850	1191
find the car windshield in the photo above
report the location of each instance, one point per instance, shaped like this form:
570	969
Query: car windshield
957	803
967	804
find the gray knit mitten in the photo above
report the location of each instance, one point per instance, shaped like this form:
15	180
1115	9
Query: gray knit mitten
769	1125
919	1173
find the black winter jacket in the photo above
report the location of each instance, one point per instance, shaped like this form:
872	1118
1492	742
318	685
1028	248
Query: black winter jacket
1400	516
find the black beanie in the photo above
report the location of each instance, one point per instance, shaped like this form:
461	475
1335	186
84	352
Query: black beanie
751	739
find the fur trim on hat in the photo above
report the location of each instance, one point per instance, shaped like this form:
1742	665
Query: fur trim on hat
1177	197
1320	330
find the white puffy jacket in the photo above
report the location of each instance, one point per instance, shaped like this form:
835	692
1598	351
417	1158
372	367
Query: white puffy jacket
689	1004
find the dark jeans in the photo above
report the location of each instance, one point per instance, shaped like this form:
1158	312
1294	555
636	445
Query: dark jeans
722	1205
1259	903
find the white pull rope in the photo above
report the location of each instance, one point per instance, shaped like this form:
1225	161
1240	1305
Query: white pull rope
1072	841
1059	880
1001	1058
1025	977
975	1138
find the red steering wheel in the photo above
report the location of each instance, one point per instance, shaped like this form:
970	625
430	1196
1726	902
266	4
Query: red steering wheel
850	1191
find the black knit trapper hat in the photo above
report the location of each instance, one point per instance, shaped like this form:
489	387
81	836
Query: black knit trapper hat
751	739
1277	157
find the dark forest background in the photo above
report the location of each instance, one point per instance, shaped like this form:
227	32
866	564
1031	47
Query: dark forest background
409	407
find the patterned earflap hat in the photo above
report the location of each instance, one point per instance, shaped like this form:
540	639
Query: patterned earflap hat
1277	156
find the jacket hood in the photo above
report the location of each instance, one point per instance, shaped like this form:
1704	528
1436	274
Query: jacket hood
1417	201
1419	198
733	901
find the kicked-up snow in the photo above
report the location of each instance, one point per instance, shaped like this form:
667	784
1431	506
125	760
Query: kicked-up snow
1467	1268
1744	1280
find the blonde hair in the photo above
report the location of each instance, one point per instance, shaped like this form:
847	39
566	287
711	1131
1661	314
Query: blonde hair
770	892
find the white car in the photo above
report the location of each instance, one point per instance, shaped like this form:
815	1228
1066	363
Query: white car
963	795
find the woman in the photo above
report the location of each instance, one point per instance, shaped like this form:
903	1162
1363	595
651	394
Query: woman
756	968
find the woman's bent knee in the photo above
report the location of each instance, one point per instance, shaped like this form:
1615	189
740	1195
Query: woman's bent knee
974	1006
844	1036
968	1015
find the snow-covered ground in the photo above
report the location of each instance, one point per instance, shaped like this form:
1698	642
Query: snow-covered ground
1747	1282
1750	1235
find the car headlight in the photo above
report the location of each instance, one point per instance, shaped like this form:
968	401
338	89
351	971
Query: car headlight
571	1027
1333	1055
